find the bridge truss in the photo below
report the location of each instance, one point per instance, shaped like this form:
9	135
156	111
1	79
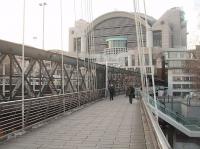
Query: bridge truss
43	73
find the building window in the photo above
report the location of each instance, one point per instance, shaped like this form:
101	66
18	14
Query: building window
185	86
173	55
117	42
176	93
146	56
126	61
138	61
185	93
157	38
177	78
176	64
77	44
133	60
186	78
176	86
154	61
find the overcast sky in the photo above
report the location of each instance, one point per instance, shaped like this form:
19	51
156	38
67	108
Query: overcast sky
11	18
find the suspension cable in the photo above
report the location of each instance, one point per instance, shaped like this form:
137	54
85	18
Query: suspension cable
76	44
23	69
93	45
142	49
140	42
61	46
150	59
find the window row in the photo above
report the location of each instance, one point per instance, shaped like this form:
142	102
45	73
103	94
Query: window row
183	78
180	71
180	54
116	43
183	94
176	64
183	86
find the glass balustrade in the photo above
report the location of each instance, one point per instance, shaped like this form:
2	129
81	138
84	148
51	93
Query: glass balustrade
191	124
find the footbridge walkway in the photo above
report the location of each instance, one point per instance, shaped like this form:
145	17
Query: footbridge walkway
102	125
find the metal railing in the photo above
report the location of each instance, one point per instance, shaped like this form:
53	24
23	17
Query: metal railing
158	137
190	127
38	110
116	50
192	124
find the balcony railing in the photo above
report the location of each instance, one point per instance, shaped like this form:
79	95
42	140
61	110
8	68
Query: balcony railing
116	50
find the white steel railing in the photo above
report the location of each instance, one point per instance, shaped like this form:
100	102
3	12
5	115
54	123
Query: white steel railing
38	110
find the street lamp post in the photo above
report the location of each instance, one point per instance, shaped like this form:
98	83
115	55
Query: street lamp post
43	6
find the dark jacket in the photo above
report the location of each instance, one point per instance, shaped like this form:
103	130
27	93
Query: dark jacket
111	90
131	92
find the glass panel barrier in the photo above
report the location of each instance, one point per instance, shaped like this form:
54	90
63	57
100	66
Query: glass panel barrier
191	124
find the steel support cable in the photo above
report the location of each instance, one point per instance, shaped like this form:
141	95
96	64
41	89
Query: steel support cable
146	26
83	14
89	43
23	69
91	49
150	59
141	45
138	43
87	56
142	49
93	43
61	46
89	46
77	61
85	51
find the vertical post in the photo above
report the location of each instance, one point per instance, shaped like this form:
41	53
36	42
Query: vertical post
61	44
77	70
43	31
10	78
23	125
164	99
172	103
40	74
77	65
106	90
4	79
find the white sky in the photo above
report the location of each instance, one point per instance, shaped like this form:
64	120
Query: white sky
11	18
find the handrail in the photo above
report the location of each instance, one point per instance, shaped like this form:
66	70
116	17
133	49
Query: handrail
50	96
38	110
187	126
160	137
178	117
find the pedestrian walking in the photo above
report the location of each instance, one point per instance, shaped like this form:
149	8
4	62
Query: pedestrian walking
131	94
111	91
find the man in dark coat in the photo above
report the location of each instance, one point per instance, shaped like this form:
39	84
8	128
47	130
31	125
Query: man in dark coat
111	91
131	94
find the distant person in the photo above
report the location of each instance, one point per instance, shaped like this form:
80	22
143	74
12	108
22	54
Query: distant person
131	94
111	91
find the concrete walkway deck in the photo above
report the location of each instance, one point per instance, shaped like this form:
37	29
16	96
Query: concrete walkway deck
104	125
